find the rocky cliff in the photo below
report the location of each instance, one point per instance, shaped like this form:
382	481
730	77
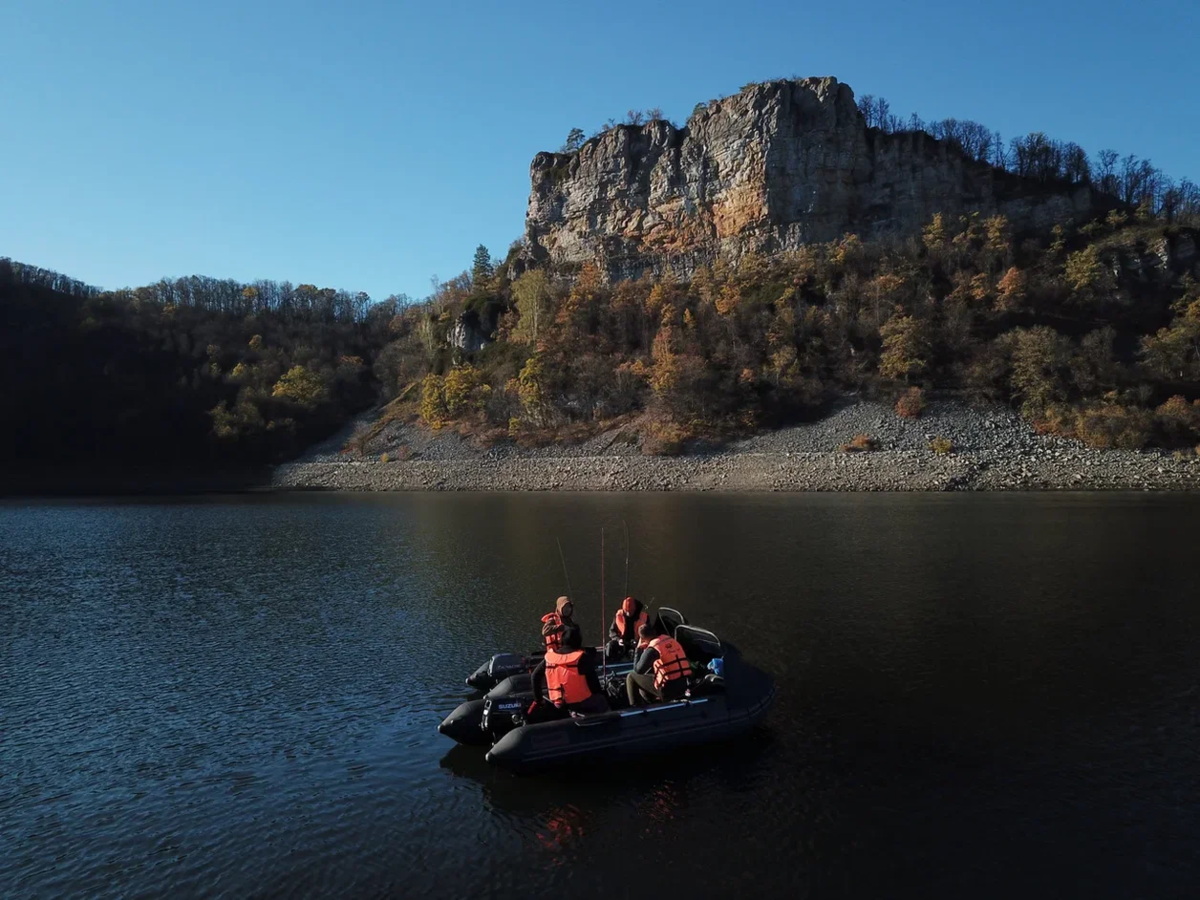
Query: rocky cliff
779	165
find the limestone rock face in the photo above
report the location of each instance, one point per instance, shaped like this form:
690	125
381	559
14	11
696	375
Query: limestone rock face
468	334
1163	259
777	166
1177	252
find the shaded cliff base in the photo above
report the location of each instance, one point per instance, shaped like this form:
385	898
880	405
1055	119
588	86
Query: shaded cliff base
100	481
991	449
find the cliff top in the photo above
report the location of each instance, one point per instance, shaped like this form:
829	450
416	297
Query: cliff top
778	165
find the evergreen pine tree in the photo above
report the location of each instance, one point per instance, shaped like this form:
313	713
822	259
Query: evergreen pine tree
482	268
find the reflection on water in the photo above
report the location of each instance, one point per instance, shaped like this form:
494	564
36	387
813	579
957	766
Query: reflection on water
978	695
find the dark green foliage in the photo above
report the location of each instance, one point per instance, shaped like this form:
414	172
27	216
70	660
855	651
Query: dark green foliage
481	268
574	141
189	372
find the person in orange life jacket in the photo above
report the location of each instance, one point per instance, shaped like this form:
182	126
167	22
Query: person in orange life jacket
556	624
661	671
565	681
623	633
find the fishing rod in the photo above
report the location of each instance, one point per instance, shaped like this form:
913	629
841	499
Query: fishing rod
625	525
603	617
675	570
566	575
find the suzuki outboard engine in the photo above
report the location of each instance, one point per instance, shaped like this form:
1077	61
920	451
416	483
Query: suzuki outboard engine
502	714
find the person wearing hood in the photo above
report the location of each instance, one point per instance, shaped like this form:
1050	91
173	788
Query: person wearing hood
555	625
623	633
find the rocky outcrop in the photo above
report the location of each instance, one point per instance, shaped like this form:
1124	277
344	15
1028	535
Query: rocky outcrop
468	333
1176	252
1163	258
779	165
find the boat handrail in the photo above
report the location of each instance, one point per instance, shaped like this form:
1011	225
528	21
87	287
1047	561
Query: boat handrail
593	719
676	704
641	710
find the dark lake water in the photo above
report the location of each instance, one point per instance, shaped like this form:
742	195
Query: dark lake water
984	696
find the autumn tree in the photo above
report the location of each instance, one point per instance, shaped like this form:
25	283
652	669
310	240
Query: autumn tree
532	295
433	401
934	235
1085	272
1039	356
464	390
1012	290
998	239
300	386
1179	418
533	392
1173	353
905	347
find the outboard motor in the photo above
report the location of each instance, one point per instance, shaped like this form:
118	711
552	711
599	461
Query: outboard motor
480	679
499	667
502	714
503	665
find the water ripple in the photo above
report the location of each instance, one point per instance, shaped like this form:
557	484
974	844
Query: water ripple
238	697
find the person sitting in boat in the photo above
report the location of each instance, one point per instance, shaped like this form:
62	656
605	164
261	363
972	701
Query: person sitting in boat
556	624
565	681
661	671
623	633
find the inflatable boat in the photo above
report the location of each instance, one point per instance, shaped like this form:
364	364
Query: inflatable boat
716	708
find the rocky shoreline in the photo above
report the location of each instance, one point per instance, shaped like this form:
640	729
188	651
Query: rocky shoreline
993	450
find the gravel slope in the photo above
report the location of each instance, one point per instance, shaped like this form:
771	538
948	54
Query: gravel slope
994	449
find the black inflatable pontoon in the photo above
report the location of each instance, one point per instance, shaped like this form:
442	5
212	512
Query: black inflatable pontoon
717	708
627	733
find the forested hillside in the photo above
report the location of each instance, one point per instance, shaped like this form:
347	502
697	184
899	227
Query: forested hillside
1094	334
196	371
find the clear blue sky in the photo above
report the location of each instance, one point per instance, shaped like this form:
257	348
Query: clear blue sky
372	145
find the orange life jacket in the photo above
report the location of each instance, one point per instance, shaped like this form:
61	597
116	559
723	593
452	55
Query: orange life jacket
554	638
625	628
672	662
565	684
